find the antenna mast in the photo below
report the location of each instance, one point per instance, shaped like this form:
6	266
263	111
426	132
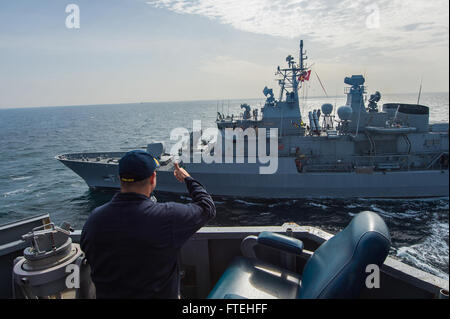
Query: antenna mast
302	55
420	90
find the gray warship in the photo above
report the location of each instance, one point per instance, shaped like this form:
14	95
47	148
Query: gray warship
366	151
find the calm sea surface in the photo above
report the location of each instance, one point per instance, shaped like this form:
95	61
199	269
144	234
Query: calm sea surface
33	182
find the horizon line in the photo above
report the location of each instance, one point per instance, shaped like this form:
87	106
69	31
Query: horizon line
197	100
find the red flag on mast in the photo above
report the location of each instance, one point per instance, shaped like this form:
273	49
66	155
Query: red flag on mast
305	76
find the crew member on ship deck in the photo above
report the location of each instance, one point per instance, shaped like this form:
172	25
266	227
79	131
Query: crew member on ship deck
132	243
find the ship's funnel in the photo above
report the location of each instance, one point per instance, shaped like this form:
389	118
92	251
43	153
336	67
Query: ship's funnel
413	115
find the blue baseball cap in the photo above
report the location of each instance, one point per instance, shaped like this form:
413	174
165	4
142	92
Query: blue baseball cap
136	166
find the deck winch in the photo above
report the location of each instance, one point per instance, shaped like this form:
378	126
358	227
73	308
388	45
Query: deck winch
52	266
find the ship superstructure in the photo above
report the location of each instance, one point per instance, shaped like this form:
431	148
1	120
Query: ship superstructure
367	151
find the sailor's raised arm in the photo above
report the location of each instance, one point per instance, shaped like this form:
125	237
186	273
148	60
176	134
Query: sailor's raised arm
188	218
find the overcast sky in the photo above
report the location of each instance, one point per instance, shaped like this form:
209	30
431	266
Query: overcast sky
171	50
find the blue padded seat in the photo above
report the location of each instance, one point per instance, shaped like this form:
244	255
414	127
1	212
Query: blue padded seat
281	242
254	279
337	269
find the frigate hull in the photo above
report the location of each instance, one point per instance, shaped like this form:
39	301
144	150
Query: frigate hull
238	180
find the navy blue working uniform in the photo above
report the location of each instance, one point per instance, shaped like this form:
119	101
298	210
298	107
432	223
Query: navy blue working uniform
132	243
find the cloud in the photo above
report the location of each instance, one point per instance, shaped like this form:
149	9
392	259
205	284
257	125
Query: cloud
227	66
336	23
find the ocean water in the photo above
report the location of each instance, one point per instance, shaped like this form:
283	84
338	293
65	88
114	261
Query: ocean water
32	181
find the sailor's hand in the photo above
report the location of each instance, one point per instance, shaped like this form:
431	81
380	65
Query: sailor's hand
180	173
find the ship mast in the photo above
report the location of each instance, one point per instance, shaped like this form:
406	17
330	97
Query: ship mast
302	56
290	77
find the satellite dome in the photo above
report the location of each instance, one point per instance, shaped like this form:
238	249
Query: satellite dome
327	108
345	112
